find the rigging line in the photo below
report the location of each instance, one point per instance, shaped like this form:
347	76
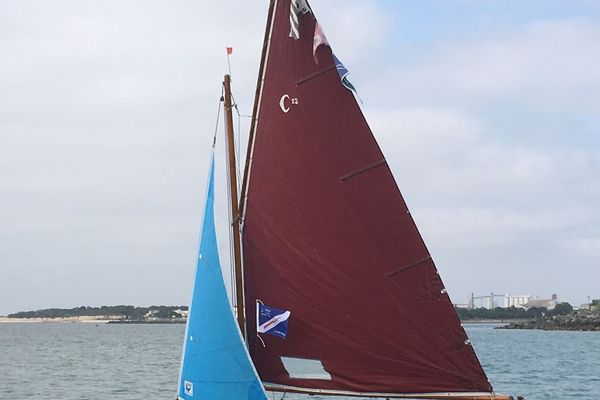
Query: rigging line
237	111
221	99
238	143
231	252
237	149
231	255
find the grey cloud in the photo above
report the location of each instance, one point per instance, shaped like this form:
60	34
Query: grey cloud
107	113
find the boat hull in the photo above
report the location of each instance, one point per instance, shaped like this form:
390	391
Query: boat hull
430	396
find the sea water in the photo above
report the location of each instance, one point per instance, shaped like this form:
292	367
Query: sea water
141	362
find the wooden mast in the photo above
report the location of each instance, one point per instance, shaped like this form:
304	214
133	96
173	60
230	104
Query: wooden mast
235	214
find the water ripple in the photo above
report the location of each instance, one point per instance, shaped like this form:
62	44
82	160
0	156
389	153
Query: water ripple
131	362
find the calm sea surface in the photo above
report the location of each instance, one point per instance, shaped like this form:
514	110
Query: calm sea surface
127	362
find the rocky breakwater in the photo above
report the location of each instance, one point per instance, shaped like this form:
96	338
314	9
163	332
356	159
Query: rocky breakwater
582	320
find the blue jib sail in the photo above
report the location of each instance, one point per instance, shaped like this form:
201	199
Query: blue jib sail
215	363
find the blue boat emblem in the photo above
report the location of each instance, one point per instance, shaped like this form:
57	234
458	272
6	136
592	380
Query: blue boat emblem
189	388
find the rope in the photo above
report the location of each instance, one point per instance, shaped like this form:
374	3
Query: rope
238	142
231	268
231	251
239	182
221	99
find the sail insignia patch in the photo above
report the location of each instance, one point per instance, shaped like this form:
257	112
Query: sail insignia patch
189	388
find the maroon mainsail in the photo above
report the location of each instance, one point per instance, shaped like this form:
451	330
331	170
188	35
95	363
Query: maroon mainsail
328	236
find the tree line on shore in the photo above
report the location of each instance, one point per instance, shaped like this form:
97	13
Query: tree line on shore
500	313
125	311
130	312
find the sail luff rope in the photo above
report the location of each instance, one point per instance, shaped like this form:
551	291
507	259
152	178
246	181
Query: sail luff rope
237	148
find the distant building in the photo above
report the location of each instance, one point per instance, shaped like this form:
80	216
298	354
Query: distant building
548	304
492	300
593	305
485	301
461	305
151	315
182	313
516	300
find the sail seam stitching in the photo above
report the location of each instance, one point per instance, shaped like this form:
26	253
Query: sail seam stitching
363	170
315	75
405	267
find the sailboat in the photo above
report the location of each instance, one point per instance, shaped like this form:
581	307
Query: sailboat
336	292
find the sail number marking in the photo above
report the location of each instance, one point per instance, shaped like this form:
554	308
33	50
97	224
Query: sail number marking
286	101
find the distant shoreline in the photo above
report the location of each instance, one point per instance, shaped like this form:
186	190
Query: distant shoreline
143	321
582	320
108	320
104	314
493	321
65	320
84	320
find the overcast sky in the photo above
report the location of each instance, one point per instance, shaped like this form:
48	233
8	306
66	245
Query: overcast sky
488	113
